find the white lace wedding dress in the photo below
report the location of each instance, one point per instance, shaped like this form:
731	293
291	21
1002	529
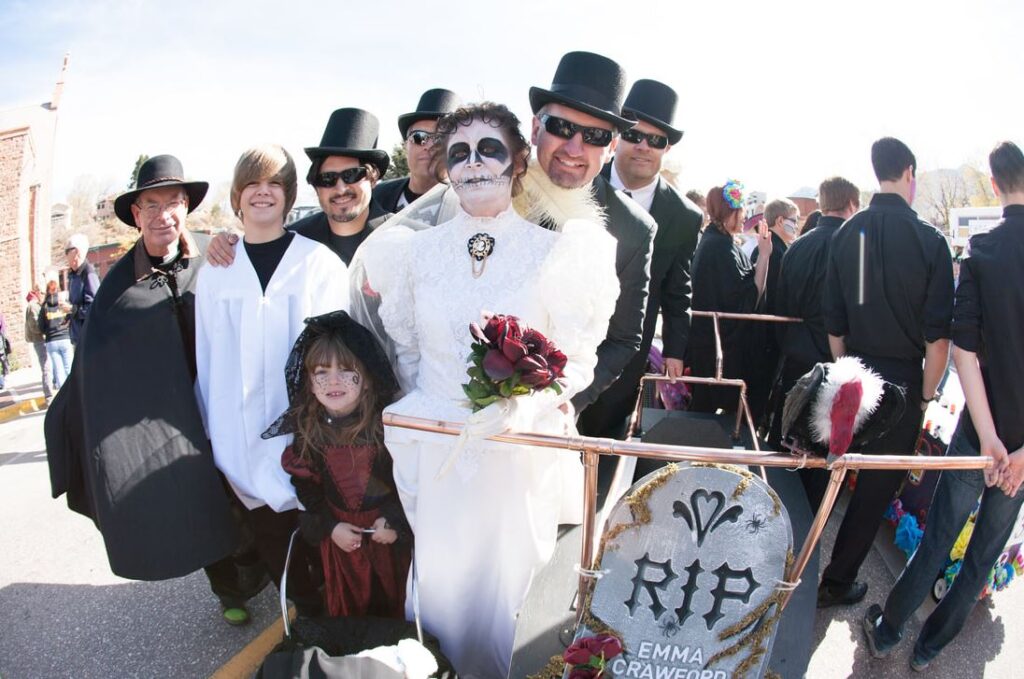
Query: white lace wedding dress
483	529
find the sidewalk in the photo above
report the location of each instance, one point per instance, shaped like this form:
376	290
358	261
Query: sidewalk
22	394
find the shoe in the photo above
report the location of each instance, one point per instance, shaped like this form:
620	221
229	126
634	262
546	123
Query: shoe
236	616
870	625
829	595
918	664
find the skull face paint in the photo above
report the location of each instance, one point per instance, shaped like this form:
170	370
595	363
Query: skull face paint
480	168
336	388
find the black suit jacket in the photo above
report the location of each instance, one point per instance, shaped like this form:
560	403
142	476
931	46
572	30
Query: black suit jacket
678	226
387	194
634	231
315	226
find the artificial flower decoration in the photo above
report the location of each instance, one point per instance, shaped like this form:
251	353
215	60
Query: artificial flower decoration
733	193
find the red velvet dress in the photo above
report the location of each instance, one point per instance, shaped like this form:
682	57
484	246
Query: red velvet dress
354	484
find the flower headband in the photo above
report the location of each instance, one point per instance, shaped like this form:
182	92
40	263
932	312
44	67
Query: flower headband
733	193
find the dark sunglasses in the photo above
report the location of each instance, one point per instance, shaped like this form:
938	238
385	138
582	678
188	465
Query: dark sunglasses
560	127
419	137
352	175
655	141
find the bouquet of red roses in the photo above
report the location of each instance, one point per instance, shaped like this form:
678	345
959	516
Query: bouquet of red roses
588	656
509	359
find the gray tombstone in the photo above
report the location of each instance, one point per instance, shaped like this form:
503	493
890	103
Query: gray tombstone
693	561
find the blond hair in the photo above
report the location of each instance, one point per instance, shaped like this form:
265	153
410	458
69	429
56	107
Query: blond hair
270	162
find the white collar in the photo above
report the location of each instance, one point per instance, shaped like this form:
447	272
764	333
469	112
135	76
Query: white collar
644	195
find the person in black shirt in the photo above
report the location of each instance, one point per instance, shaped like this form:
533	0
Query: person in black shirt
723	279
799	293
783	218
988	322
345	168
888	301
417	129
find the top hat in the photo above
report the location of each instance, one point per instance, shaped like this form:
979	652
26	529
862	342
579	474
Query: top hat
351	132
589	83
654	103
155	173
433	104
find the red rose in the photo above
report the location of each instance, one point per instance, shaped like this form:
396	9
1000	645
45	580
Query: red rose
535	342
603	645
584	673
577	653
556	359
499	327
534	372
513	349
497	366
478	334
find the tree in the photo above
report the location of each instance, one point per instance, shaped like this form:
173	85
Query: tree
399	163
135	172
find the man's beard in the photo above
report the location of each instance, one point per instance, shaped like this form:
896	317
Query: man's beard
344	216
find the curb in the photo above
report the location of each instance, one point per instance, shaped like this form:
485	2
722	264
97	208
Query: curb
22	408
245	663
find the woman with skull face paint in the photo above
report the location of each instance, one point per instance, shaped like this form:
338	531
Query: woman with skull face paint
338	382
483	529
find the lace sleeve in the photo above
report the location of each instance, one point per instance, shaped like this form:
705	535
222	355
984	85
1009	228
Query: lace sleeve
391	280
581	268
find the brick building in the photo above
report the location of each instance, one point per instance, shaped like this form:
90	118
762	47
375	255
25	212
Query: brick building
26	170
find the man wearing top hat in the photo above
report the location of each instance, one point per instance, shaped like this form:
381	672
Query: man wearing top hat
636	170
575	128
417	130
345	167
124	437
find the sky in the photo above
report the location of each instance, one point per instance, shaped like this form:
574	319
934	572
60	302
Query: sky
778	94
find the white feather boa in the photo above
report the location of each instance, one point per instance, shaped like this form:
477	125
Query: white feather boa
846	369
542	200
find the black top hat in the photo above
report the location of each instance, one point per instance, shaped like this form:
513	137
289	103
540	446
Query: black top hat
351	132
158	172
433	104
589	83
655	103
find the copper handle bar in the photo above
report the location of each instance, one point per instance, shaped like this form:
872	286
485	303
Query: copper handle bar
591	447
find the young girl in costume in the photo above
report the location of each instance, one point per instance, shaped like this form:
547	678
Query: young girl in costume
339	381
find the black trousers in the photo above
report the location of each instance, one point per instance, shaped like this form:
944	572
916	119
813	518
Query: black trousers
242	575
271	533
875	489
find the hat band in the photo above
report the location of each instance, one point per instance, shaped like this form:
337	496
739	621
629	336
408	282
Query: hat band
158	180
587	95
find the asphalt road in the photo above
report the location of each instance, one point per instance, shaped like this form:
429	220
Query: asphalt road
64	614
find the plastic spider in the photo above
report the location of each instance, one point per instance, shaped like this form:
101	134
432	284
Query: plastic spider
669	625
755	523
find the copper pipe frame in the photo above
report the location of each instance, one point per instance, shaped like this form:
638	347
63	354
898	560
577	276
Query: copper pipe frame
592	447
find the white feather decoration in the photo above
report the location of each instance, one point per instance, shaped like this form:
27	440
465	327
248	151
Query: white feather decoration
844	370
541	199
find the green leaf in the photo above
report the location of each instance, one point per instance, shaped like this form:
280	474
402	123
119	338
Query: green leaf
506	389
484	402
556	387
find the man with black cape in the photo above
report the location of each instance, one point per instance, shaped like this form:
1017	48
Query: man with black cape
124	436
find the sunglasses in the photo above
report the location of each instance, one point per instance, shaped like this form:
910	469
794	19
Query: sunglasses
352	175
655	141
560	127
420	138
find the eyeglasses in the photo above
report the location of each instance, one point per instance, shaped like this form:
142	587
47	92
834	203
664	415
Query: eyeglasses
655	141
352	175
151	210
560	127
421	138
